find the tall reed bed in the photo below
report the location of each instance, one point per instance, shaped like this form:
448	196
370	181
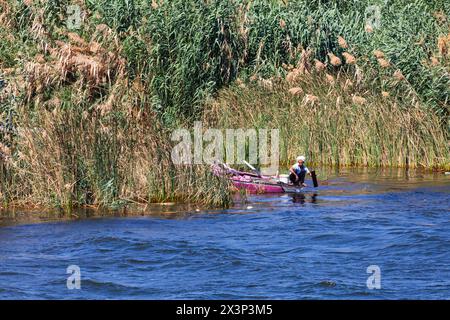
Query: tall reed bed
188	49
67	159
84	129
184	51
335	123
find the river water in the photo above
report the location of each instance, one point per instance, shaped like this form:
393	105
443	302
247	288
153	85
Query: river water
315	245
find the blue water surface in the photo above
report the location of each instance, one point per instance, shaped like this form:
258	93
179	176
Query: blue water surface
314	245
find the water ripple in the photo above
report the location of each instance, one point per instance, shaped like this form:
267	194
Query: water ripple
317	249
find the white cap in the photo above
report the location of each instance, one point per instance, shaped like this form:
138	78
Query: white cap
301	158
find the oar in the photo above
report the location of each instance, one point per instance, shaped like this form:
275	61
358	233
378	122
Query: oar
253	168
314	179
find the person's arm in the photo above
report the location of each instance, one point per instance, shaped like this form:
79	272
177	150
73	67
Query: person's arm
291	169
307	171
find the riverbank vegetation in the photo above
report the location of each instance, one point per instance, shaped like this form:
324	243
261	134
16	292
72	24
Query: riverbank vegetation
90	91
334	121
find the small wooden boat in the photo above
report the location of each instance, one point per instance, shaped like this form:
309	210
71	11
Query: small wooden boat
255	182
252	182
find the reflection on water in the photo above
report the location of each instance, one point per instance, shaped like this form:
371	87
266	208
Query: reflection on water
315	244
303	197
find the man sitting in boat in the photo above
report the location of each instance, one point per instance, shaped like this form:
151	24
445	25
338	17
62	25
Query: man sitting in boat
298	172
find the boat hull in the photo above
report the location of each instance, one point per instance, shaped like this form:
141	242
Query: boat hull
256	183
256	186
